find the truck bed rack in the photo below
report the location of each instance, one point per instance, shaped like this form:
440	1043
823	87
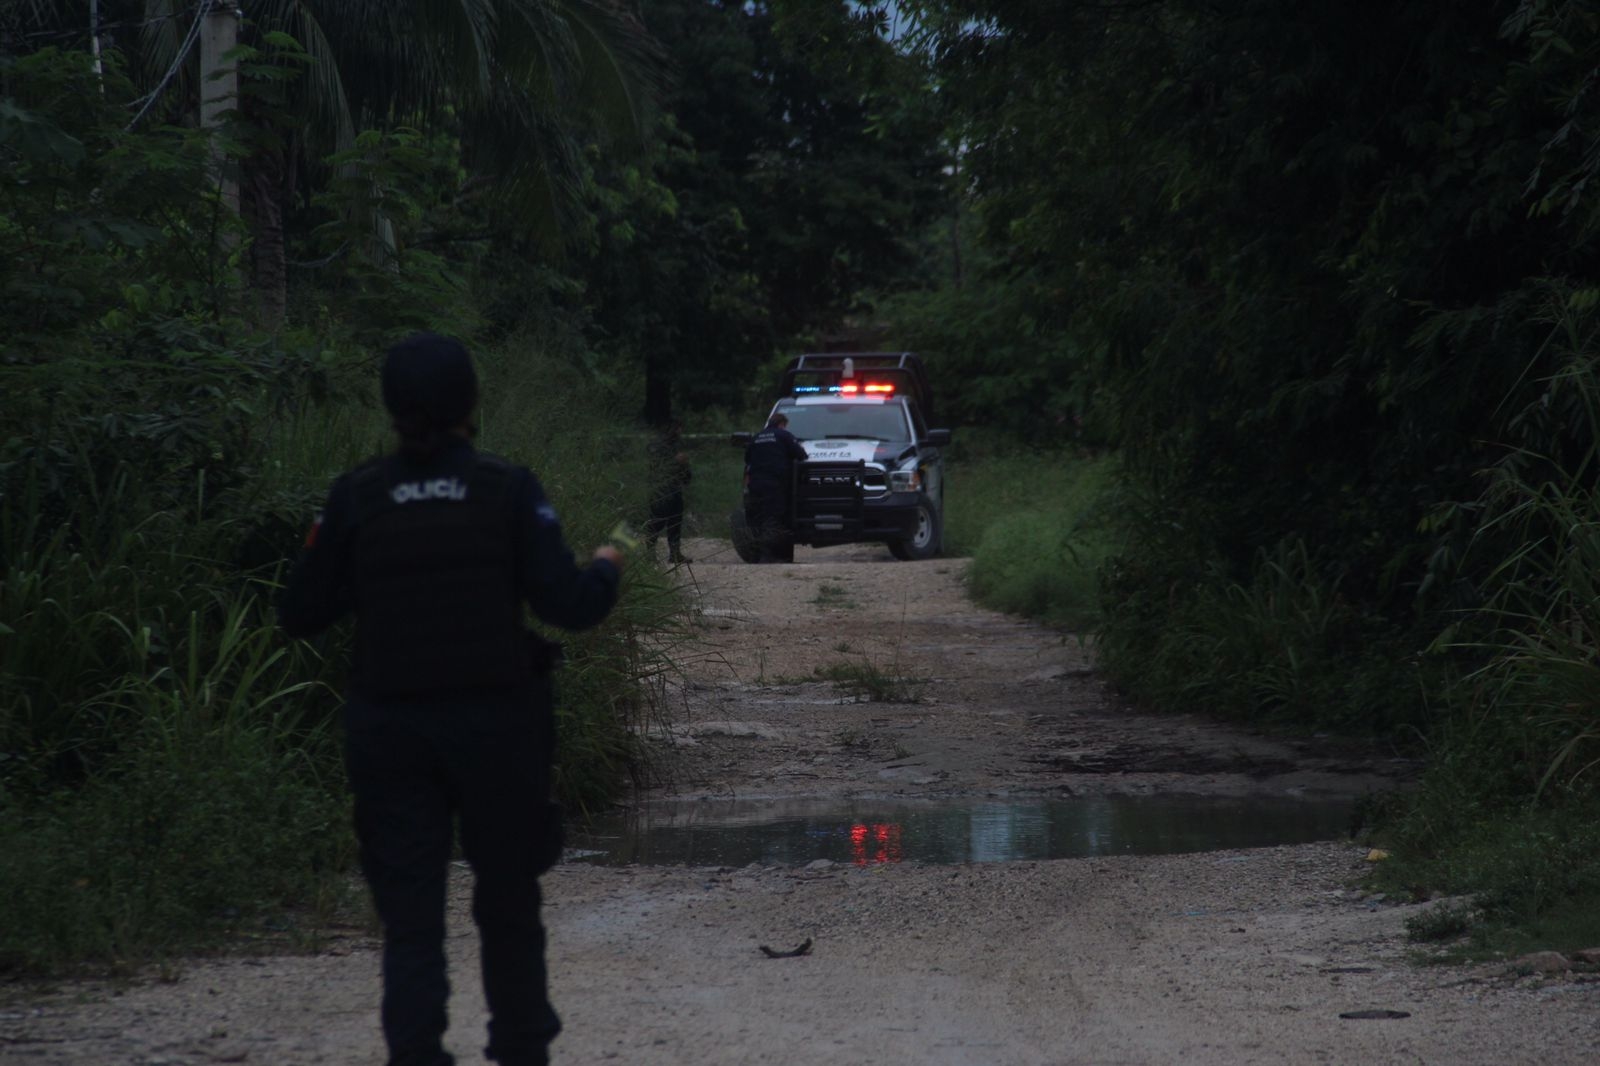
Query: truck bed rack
903	369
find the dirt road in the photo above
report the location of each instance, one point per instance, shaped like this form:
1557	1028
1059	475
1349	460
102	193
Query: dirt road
1247	956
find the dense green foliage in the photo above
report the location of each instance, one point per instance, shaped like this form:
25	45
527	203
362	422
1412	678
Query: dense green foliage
178	381
1037	528
786	187
1325	277
1322	279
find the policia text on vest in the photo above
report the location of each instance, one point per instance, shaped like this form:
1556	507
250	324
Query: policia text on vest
439	488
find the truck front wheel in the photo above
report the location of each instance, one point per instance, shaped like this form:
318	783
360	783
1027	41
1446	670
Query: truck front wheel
927	538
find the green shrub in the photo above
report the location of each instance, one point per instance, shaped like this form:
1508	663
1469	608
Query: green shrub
1032	564
179	841
716	491
1284	647
1439	924
203	790
1530	872
1034	526
1509	808
171	767
168	763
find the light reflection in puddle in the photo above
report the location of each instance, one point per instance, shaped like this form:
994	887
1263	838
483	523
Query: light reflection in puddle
867	832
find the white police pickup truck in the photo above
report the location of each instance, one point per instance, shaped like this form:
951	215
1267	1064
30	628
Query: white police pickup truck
875	471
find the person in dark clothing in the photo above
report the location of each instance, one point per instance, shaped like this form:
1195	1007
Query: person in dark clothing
669	477
769	461
449	714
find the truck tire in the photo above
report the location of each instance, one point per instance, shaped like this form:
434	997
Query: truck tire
927	540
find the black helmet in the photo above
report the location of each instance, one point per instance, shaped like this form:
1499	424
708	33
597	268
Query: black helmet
428	383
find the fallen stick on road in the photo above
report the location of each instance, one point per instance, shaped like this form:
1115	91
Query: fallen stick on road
803	949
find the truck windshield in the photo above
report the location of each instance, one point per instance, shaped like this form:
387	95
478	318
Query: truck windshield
870	421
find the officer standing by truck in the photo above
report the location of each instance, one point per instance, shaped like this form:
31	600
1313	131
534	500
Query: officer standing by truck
449	712
670	474
769	461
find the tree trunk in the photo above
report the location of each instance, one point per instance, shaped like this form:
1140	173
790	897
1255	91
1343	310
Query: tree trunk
657	387
262	179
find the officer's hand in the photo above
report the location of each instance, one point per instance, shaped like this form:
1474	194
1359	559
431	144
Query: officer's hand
609	554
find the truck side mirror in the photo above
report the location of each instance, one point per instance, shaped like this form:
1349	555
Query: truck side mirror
937	438
740	440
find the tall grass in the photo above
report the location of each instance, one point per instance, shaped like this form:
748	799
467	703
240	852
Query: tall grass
717	488
1036	527
168	768
1282	647
593	459
215	803
1509	809
169	763
1544	668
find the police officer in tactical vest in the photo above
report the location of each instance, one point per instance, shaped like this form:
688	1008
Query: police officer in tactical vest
769	461
435	549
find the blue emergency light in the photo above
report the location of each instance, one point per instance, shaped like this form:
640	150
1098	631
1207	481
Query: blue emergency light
875	388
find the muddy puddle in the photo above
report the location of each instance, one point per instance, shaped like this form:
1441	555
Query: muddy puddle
866	831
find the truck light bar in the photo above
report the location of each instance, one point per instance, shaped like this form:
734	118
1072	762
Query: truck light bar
874	388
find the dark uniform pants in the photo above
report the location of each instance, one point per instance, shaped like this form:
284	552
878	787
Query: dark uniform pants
766	514
666	516
414	768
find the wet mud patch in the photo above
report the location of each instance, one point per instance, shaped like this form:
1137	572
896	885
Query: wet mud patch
869	831
1150	759
908	687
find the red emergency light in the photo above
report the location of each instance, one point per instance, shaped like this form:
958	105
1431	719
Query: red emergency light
876	843
852	389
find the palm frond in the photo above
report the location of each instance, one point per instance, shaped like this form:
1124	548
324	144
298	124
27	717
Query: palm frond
160	37
333	128
539	189
619	63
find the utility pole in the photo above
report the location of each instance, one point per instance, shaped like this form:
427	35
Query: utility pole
219	89
94	44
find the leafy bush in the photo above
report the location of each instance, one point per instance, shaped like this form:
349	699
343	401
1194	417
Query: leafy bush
1530	871
1283	646
1509	807
1034	524
1031	563
999	359
178	840
198	745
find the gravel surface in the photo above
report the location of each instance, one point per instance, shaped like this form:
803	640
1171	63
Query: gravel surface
1213	958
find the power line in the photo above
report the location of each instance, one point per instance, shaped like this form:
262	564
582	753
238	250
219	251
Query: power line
183	53
105	27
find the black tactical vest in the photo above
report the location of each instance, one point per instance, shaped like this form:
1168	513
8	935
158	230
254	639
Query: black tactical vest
768	461
435	579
